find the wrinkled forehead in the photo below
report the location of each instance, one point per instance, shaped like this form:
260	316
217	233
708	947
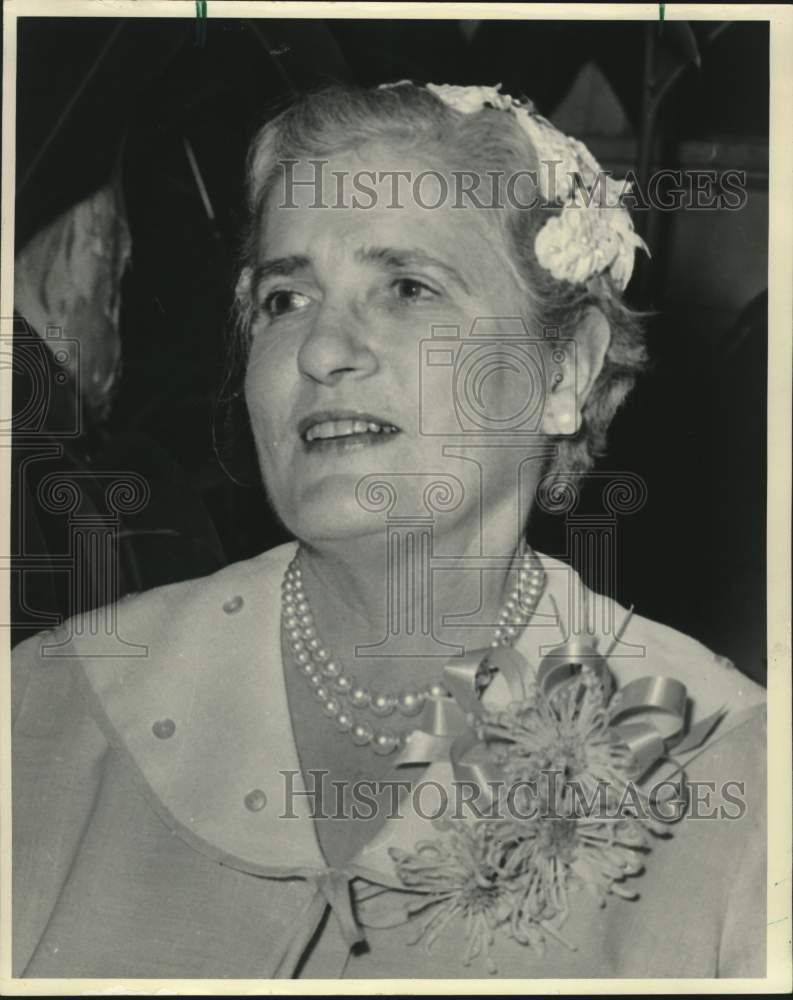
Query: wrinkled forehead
373	175
376	195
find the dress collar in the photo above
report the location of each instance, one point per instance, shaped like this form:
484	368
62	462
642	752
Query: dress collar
203	720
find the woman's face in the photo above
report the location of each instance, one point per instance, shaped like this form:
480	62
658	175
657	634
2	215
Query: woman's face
340	384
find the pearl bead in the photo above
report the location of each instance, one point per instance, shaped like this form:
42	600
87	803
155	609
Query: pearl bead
360	697
383	704
361	734
326	676
384	744
345	721
410	702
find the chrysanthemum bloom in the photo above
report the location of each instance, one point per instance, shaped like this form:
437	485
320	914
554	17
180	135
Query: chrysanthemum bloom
549	857
459	874
566	734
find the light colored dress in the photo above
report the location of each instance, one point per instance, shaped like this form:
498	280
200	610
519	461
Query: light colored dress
149	800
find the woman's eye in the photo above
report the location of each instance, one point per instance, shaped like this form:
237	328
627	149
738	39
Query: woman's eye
282	301
412	290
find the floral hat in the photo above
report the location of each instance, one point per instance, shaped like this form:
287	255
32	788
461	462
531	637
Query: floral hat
593	234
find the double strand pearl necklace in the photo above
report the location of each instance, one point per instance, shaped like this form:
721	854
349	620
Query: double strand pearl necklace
332	686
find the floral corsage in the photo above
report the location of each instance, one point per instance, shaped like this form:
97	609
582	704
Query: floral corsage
562	768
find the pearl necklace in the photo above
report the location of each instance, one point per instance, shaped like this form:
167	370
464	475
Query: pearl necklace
330	684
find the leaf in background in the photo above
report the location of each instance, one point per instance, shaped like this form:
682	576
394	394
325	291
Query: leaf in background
680	39
69	276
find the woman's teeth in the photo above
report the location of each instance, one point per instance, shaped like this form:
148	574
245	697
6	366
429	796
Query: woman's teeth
345	428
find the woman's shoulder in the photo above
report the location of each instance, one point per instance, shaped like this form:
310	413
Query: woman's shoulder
119	627
142	639
230	590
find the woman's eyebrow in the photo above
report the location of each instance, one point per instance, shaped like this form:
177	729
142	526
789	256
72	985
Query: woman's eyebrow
396	258
282	266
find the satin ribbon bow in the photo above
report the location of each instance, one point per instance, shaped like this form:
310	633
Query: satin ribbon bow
648	715
448	724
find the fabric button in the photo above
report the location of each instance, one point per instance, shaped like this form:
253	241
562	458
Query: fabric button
164	728
255	800
233	605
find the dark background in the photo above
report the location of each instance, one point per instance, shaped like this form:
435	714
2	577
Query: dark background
92	90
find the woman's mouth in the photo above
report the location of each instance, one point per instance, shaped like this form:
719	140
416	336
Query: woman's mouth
339	432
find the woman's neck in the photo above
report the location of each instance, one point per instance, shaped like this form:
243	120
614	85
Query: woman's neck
400	596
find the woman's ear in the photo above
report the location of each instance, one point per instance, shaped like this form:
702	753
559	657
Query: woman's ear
573	380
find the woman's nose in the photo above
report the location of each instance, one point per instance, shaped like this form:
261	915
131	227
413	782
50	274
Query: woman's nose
337	345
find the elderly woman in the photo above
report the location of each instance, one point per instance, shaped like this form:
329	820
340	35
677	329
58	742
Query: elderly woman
405	745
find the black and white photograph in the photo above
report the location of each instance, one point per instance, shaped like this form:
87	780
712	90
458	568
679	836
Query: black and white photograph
395	416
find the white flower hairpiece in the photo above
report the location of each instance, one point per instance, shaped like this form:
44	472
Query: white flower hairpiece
594	233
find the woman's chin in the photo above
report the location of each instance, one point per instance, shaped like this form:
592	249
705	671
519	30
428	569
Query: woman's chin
332	511
324	530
